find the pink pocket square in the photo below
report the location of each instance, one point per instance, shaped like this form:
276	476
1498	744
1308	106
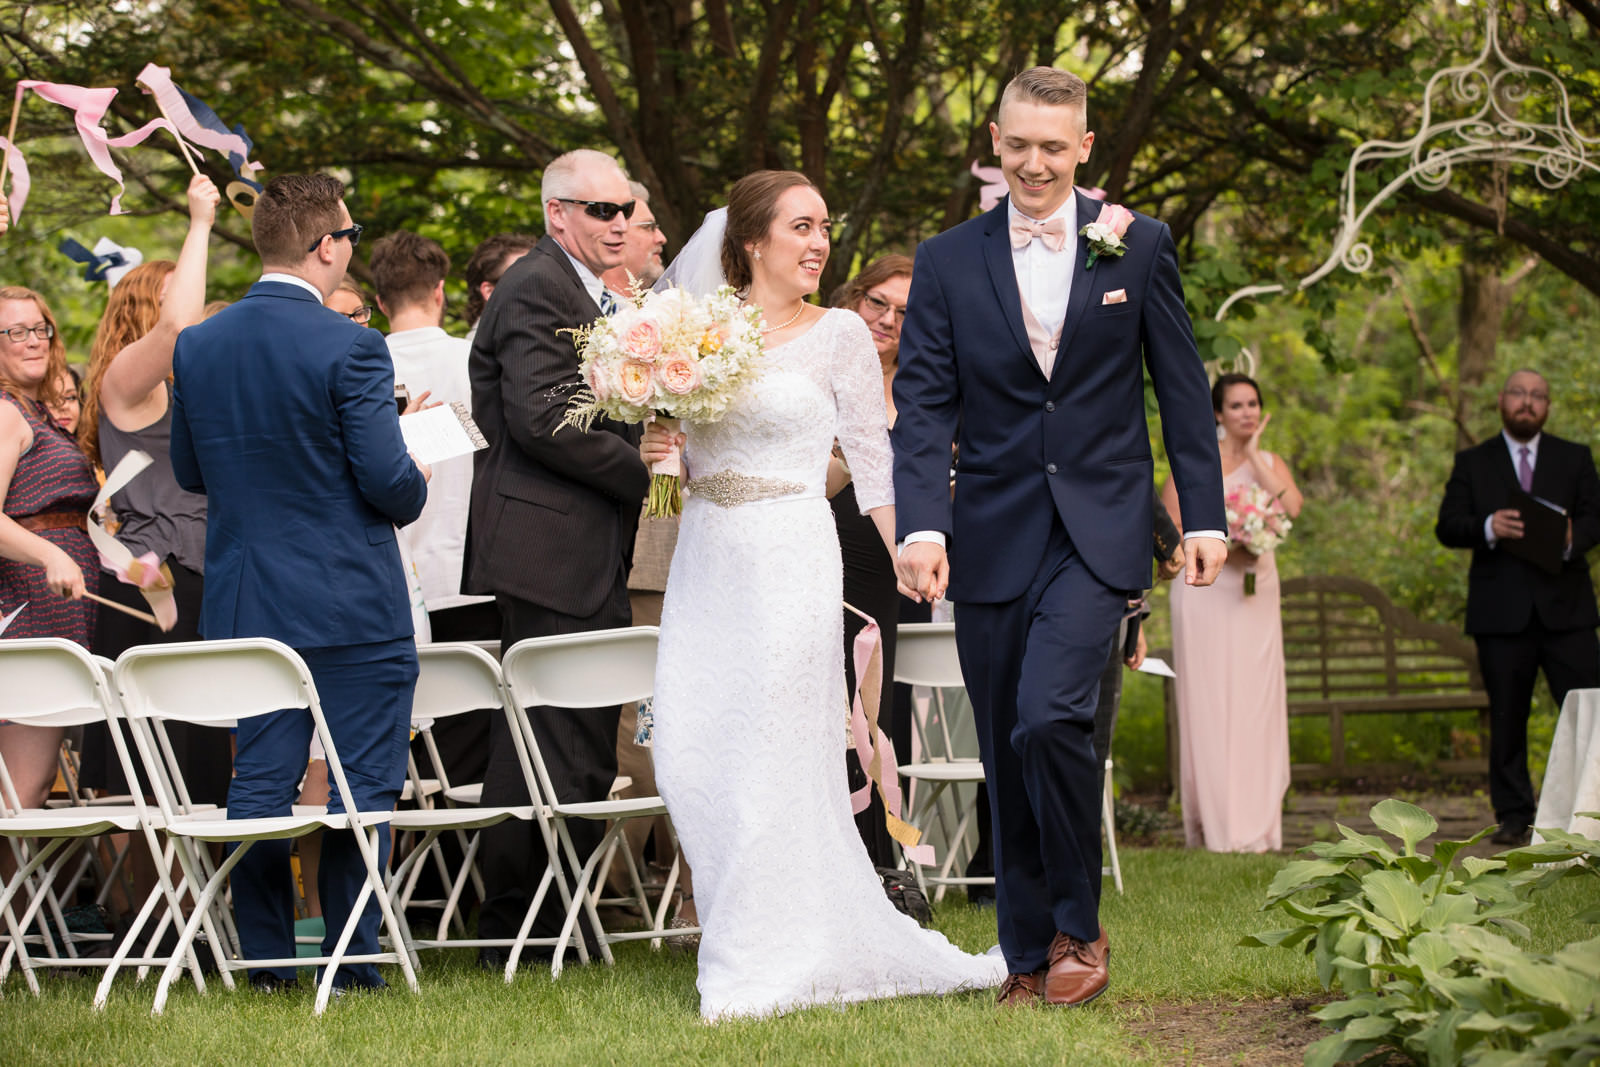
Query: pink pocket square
1115	296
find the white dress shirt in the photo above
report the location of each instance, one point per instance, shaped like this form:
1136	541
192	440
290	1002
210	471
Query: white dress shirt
1516	448
292	279
591	281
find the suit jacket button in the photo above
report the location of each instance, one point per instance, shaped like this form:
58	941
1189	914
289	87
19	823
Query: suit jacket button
1050	468
1049	405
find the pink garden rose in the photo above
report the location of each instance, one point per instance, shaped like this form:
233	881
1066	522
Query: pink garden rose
679	375
641	339
634	381
1116	217
601	380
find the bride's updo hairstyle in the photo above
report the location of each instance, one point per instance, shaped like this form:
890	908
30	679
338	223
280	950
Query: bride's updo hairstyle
752	205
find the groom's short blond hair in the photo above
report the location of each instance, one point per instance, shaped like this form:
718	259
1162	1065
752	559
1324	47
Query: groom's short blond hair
1047	85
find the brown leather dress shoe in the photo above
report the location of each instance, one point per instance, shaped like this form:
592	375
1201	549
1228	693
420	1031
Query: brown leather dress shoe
1077	970
1022	990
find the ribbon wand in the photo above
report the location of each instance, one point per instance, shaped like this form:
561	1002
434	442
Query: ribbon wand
11	139
182	144
135	612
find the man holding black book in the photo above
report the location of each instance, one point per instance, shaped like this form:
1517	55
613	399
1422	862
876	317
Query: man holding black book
1528	505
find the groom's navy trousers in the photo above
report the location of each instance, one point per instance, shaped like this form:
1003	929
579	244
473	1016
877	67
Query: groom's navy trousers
1032	669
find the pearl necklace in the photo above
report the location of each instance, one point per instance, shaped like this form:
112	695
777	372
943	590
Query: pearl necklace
785	325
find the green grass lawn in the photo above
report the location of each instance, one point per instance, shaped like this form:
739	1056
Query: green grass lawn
1174	939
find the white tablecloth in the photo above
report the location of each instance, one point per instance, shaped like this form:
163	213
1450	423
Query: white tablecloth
1572	777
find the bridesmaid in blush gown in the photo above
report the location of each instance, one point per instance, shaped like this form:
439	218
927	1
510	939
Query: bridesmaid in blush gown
1228	654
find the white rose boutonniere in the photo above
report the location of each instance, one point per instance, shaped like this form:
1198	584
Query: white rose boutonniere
1105	233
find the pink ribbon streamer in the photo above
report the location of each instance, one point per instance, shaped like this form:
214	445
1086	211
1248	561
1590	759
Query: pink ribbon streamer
878	759
89	107
20	183
158	81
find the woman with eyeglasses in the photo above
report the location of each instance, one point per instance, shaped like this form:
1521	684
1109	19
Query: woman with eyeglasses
47	562
350	300
127	407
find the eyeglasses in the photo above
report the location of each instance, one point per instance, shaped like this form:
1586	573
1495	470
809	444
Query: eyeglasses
362	314
352	231
604	210
20	334
1538	396
880	308
648	227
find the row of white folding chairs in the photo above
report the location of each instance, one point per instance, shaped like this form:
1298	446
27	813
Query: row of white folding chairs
217	682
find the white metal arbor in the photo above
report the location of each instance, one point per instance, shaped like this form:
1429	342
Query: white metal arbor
1494	88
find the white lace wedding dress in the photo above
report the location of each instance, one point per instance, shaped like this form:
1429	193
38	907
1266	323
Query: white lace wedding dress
749	739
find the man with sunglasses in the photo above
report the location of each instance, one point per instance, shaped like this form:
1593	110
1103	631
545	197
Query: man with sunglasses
283	415
551	527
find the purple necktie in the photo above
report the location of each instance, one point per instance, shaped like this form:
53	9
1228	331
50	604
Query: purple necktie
1525	471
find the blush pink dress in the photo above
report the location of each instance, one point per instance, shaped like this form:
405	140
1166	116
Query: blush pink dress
1233	709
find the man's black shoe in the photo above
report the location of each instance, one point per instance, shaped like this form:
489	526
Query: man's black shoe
1511	833
267	982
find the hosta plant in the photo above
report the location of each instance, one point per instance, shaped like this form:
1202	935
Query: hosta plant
1418	943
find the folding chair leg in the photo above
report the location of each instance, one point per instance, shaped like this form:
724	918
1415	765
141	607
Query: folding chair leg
1108	819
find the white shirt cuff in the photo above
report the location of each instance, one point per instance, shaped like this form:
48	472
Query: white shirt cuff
1488	530
1218	534
932	536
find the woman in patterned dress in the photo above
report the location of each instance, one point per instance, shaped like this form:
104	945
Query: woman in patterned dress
46	560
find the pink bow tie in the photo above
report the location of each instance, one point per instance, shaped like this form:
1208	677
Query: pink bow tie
1053	232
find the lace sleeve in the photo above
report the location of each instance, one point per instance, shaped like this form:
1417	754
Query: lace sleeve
861	422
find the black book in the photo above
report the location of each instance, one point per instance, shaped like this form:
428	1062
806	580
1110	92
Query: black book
1544	532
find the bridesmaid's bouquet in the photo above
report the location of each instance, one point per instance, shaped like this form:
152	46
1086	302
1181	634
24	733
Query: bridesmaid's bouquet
670	355
1257	523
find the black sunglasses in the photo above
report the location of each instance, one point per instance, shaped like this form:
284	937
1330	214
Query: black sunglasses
604	210
353	231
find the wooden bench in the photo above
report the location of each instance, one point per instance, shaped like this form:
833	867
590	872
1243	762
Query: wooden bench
1348	650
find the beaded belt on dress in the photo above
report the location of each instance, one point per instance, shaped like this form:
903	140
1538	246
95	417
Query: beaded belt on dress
731	488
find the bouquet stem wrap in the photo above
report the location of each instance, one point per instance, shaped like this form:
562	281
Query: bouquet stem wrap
666	496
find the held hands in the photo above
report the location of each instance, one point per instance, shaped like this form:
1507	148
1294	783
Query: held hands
659	443
1204	559
203	201
1507	525
923	570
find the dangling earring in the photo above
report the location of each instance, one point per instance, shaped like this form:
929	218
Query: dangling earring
1222	434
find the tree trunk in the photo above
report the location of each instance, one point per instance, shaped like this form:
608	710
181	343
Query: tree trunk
1485	295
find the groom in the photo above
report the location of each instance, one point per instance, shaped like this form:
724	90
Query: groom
1030	357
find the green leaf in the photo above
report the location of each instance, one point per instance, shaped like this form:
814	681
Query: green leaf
1448	908
1582	956
1431	951
1395	896
1298	875
1477	867
1330	1051
1277	938
1368	1027
1355	1007
1406	821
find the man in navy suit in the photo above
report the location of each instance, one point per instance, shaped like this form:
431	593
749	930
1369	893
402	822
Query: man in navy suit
283	415
1029	344
1524	618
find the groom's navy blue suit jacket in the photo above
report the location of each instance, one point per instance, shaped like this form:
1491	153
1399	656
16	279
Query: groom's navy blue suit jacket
1076	444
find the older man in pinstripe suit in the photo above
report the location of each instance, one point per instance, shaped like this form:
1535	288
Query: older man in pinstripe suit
553	515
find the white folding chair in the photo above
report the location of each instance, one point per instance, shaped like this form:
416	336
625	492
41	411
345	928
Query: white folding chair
582	671
54	682
217	683
454	679
925	655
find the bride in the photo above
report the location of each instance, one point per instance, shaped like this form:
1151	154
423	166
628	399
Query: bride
750	695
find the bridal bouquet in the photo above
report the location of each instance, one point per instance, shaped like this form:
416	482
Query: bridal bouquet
670	355
1257	523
